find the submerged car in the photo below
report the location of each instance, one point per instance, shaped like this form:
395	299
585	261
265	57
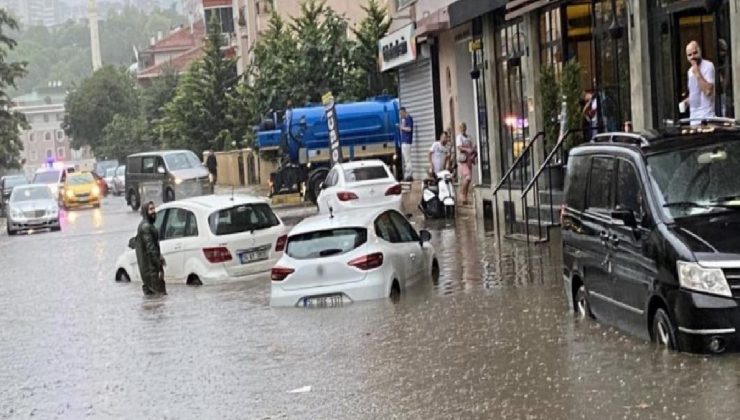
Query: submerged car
357	185
650	234
352	256
211	239
32	207
80	189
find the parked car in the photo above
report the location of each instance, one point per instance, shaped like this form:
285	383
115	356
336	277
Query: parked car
359	184
32	207
7	183
355	255
119	180
650	228
80	189
109	174
101	167
212	239
164	176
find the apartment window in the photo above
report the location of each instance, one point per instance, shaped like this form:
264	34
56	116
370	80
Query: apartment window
60	153
31	137
60	135
34	156
46	118
224	16
400	4
47	136
49	153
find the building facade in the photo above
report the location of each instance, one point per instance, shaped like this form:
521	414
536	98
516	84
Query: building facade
487	58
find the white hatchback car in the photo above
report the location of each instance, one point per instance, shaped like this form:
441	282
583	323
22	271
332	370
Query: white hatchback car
356	255
360	184
213	238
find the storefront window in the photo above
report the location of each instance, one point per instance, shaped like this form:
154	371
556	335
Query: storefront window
476	48
512	91
551	38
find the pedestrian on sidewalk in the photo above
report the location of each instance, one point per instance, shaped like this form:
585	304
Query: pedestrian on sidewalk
212	166
148	255
439	155
407	137
700	84
466	156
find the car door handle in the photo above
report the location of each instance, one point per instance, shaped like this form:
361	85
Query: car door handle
178	247
412	256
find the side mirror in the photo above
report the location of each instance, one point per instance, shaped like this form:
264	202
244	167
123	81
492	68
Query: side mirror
160	169
626	216
425	236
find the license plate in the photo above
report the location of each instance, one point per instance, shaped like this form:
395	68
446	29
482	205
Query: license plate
82	199
246	257
329	301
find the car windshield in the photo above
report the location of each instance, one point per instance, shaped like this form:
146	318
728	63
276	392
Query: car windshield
110	172
30	193
184	160
365	173
81	179
698	180
325	243
121	170
46	177
13	181
242	218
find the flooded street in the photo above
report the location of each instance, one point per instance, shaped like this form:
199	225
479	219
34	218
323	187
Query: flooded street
494	339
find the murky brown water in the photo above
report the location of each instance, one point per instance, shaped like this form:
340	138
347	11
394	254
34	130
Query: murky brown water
494	339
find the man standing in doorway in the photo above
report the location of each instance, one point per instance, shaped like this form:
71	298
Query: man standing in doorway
407	136
212	166
701	85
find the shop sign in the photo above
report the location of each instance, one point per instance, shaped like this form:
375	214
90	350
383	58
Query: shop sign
397	48
331	121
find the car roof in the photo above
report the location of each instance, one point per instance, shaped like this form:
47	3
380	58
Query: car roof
361	163
159	153
31	186
215	202
351	218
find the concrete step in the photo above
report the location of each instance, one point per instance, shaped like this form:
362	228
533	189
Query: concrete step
545	212
519	230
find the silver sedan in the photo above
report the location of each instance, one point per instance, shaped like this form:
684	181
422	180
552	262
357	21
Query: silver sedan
32	207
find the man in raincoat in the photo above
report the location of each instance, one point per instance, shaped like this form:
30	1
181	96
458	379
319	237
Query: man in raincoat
148	256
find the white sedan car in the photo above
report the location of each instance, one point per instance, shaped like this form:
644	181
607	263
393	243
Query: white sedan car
360	184
213	238
356	255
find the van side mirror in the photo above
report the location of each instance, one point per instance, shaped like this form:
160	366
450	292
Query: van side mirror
627	216
425	236
160	169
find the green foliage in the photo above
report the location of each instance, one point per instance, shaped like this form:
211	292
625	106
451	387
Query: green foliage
93	105
125	135
554	90
570	88
156	96
550	105
10	122
365	76
63	53
198	117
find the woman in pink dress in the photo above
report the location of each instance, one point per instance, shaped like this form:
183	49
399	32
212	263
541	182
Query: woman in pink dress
466	155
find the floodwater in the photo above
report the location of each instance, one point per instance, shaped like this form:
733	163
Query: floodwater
493	339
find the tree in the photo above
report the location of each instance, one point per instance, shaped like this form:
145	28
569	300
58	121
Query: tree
93	105
10	121
365	76
199	116
126	135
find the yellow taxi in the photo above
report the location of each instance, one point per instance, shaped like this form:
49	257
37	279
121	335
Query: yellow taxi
79	189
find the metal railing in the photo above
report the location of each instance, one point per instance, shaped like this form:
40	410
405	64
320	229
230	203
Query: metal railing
557	151
521	169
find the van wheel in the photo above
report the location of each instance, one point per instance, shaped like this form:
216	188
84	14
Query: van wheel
133	200
663	332
169	195
583	309
193	280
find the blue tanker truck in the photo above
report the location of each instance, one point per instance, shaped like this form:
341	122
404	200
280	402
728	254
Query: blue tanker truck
298	139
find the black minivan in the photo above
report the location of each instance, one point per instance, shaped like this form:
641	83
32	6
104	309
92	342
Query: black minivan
651	234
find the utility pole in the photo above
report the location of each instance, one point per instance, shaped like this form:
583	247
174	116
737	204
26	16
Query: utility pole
92	17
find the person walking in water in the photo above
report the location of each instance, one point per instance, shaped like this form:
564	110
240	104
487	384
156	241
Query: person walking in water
148	255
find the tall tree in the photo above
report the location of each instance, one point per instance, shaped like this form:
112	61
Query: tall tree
93	105
10	121
199	116
126	135
365	76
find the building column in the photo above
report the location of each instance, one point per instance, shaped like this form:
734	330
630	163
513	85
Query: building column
640	81
531	65
735	44
494	124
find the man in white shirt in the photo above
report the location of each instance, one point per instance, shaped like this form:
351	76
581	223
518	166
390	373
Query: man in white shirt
701	85
438	153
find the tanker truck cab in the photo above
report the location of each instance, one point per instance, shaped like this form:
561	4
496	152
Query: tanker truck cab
164	176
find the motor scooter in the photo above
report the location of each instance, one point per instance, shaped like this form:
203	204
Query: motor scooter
438	196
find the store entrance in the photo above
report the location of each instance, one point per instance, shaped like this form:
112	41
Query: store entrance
674	26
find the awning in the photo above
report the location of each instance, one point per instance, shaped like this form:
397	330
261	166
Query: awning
434	22
463	11
516	8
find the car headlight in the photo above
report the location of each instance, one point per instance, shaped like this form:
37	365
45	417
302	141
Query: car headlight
15	213
709	280
178	181
70	194
52	209
95	190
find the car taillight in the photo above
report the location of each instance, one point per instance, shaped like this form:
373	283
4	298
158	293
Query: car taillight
394	190
280	244
280	273
217	255
368	262
346	196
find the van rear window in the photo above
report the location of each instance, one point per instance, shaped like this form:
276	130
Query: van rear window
325	243
47	177
242	218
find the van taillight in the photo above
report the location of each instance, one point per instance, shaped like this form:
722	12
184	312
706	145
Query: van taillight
280	244
280	273
368	262
217	255
346	196
394	190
